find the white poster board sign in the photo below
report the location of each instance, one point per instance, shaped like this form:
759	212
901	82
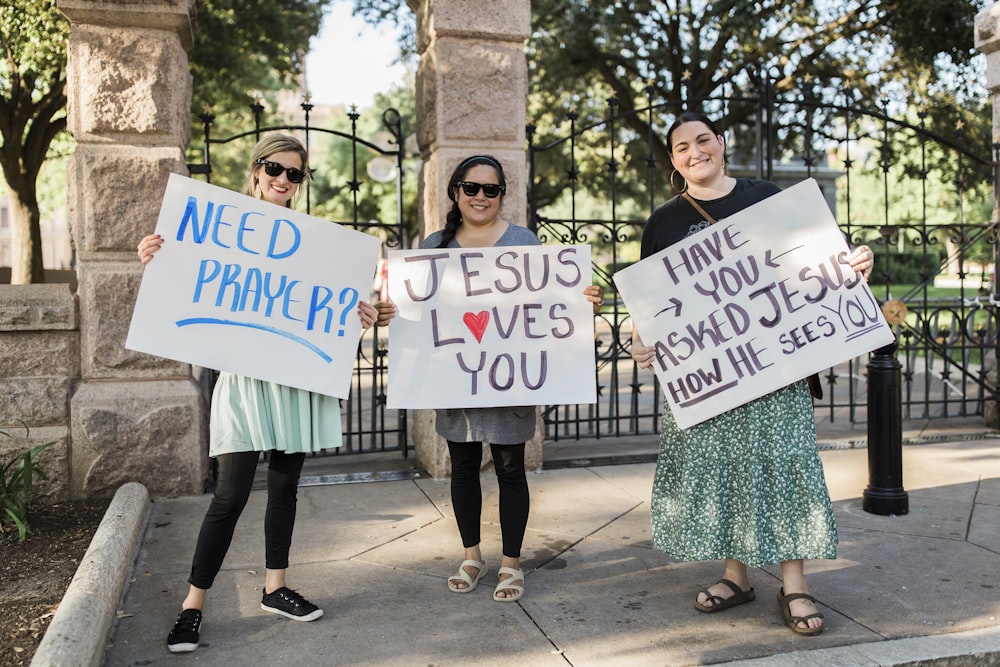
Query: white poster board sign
247	286
491	327
751	304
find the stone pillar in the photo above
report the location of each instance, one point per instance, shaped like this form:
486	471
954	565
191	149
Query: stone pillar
988	41
472	93
134	417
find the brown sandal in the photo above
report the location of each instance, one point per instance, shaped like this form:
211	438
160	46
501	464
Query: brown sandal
718	603
793	621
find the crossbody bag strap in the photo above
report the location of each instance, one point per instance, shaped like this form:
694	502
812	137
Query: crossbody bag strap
698	208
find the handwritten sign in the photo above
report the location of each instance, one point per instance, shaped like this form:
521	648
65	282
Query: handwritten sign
491	327
751	304
247	286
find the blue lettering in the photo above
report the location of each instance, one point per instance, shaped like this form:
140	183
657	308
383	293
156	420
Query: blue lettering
244	228
288	301
205	276
219	222
198	230
320	297
251	285
229	276
293	245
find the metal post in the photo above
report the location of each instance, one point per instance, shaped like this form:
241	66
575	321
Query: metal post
885	494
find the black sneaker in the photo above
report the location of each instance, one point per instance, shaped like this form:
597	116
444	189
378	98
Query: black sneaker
184	637
290	604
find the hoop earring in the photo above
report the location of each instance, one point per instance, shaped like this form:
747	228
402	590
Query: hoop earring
257	194
678	189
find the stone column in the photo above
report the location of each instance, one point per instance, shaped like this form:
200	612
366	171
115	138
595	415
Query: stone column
134	417
472	92
988	41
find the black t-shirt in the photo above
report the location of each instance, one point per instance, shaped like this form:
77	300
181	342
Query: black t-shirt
678	219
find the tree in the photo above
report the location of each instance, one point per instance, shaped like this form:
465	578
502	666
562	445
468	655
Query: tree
34	35
688	53
234	60
333	167
244	50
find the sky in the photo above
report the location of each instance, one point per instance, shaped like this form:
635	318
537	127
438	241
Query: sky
349	61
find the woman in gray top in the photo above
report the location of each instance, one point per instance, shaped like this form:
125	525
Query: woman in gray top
476	189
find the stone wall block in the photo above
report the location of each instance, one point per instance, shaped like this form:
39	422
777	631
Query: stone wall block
147	432
173	16
53	461
36	401
497	20
110	289
143	98
37	307
474	101
426	102
119	191
39	354
432	449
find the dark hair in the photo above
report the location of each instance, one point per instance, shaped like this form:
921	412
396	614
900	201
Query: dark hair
453	220
689	117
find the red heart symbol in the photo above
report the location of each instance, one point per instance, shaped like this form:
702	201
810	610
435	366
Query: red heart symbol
477	323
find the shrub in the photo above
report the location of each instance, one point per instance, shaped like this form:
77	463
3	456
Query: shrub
906	268
18	477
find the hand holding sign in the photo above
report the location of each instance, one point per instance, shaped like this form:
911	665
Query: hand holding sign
237	275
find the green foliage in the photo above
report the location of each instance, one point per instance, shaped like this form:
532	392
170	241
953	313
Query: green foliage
893	56
336	166
33	35
908	268
244	50
18	478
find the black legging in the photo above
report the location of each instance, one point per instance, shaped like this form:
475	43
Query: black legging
467	495
236	474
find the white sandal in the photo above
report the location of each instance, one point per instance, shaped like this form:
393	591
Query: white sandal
463	576
510	583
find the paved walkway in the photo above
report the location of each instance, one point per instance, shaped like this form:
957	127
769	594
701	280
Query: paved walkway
376	555
906	590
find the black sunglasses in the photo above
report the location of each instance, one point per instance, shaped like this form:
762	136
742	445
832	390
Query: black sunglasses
274	169
491	190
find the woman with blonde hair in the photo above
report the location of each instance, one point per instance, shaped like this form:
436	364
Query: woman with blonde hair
251	416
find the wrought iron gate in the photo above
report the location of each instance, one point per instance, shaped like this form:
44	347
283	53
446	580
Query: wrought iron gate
945	342
368	425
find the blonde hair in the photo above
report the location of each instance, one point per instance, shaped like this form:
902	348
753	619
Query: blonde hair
265	148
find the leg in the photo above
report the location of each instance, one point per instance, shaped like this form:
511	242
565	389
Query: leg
720	595
508	462
794	582
236	473
279	518
279	521
467	503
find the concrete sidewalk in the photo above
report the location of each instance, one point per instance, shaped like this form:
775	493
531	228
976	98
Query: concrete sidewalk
907	589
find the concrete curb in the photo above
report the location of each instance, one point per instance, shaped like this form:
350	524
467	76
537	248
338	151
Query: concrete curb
974	648
78	634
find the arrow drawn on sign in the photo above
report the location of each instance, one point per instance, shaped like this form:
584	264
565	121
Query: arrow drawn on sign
675	304
770	257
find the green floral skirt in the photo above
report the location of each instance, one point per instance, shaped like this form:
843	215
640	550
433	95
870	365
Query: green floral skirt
747	484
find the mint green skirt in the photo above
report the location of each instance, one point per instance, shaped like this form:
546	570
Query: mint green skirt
253	415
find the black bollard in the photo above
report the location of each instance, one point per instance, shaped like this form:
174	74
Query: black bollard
885	494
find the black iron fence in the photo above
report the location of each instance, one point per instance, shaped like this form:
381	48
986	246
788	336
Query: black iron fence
934	238
923	201
368	425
